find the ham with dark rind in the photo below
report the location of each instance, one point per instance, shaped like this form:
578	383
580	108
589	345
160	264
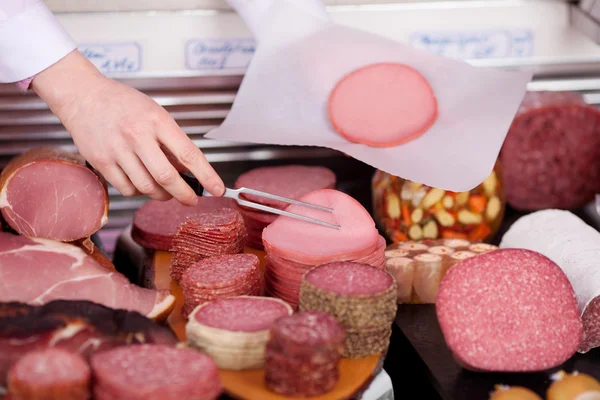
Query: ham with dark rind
37	271
155	372
78	326
382	105
575	247
50	374
551	155
310	342
510	310
156	222
52	194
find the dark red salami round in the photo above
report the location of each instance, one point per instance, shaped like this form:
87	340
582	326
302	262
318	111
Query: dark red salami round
156	222
155	372
551	155
50	374
350	278
510	310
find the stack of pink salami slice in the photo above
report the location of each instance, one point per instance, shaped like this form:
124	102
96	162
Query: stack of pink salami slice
294	247
291	181
209	234
220	276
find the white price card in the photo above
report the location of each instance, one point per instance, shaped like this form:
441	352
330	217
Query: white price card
222	53
112	58
481	44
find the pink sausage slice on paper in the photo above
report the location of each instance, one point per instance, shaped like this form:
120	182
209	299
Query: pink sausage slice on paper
382	105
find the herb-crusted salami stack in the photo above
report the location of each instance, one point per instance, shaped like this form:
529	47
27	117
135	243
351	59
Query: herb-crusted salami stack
303	354
211	234
361	297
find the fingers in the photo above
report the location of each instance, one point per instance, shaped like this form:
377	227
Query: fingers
165	174
120	181
173	160
140	177
190	156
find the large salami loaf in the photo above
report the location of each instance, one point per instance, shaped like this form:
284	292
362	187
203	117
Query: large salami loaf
420	266
510	310
52	194
235	330
361	297
307	342
154	372
575	247
50	374
551	155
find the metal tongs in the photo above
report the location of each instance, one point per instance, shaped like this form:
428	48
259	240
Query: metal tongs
235	195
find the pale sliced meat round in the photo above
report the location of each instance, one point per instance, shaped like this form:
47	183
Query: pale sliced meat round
308	243
52	194
382	105
510	310
50	374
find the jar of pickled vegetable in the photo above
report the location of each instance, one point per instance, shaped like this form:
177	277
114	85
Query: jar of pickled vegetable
407	210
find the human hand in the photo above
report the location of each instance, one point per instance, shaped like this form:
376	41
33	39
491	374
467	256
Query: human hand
131	140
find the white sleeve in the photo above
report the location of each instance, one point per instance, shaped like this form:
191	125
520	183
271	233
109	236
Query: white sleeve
31	39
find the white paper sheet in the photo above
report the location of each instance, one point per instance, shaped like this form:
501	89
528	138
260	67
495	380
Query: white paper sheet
300	58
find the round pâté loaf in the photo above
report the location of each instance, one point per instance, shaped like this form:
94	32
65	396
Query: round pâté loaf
504	392
235	330
407	210
575	386
510	310
220	276
50	374
303	353
420	266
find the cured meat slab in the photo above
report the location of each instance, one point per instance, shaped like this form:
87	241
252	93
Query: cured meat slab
52	194
551	155
420	266
361	297
510	310
235	330
154	372
80	326
382	105
291	181
50	374
37	271
307	342
575	247
156	222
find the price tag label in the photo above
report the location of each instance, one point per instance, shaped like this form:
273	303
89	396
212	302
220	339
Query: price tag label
112	58
226	53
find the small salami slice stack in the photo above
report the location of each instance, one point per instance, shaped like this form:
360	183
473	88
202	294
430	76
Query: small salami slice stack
303	354
156	222
510	310
420	266
211	234
154	372
361	297
294	247
235	330
291	181
50	374
220	276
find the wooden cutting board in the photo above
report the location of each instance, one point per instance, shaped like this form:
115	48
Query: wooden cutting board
355	374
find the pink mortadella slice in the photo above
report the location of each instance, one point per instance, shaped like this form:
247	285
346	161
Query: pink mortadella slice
382	105
312	244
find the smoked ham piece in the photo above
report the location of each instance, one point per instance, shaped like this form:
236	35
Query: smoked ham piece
36	271
52	194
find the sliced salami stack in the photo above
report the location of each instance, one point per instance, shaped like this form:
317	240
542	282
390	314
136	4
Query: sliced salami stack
361	297
154	372
294	246
234	330
420	266
303	354
210	234
220	276
291	181
156	222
